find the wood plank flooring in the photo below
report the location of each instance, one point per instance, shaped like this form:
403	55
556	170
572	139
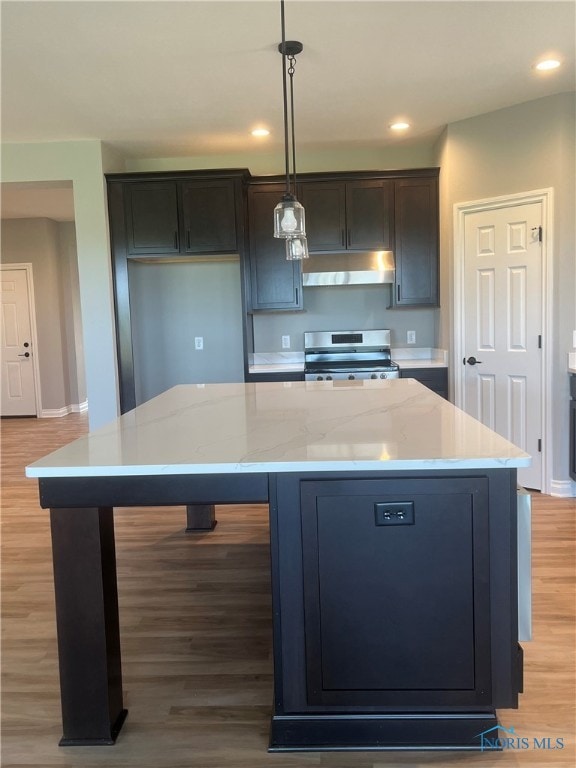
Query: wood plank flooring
195	618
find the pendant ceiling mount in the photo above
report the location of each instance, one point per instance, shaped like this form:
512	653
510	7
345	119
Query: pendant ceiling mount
290	48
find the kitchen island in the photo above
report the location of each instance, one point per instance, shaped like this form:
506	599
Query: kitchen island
393	554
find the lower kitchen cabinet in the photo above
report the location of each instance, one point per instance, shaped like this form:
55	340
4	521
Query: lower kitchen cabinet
395	606
435	379
275	377
275	283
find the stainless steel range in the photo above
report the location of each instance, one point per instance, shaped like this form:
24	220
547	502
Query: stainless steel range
334	355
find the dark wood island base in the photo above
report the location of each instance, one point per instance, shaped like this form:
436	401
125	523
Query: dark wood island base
394	594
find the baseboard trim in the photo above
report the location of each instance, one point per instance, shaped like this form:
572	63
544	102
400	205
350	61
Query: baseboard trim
56	413
565	489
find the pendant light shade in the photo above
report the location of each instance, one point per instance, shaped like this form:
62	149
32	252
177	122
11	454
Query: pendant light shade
289	220
296	248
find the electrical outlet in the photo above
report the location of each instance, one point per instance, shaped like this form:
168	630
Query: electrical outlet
199	342
411	337
285	342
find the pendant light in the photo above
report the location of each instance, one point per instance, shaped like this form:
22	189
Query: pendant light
289	221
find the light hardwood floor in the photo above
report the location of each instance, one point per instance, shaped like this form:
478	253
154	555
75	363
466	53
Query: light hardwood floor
196	636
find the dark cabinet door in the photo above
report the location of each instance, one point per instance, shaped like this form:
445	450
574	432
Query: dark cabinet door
435	379
416	242
369	215
396	592
325	206
275	283
209	217
152	218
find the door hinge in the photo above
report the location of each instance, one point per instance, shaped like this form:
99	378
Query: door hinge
539	445
539	231
539	341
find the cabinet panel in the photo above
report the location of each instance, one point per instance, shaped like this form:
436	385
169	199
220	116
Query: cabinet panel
369	215
209	218
325	206
152	218
416	242
275	283
394	610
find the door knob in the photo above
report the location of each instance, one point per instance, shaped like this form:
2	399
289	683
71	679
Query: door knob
472	361
26	354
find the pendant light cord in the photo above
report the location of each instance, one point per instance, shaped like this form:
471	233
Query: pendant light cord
292	64
285	93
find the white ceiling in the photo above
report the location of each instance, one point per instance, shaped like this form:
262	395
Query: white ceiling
168	79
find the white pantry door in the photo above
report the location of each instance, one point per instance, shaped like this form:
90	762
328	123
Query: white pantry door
503	318
17	366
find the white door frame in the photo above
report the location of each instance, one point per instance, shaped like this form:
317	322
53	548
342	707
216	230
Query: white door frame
461	210
27	267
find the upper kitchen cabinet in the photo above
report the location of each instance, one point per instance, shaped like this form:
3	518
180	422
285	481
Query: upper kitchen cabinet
151	217
416	242
209	217
181	214
275	283
348	215
325	206
369	215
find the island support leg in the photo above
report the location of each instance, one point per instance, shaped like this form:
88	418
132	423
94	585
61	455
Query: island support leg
200	517
84	557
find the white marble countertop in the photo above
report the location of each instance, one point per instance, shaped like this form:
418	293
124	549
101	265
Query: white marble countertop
419	357
571	362
293	362
391	424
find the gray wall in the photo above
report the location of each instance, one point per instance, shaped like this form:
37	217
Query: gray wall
84	164
72	315
50	248
354	307
171	304
523	148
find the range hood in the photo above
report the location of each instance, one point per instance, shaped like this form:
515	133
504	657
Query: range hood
346	268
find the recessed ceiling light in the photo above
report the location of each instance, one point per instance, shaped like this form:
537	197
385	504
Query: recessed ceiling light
399	126
546	64
260	132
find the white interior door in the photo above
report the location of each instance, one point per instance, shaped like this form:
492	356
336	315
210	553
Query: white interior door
17	365
503	326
